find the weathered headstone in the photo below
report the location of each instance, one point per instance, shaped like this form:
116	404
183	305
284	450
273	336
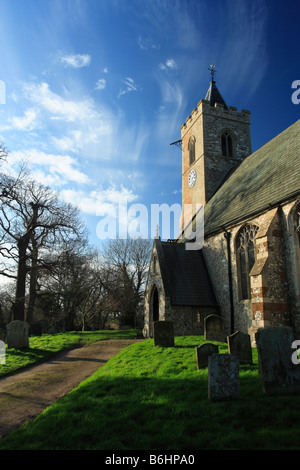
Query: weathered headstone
223	377
2	353
278	373
239	344
17	334
203	352
214	328
163	333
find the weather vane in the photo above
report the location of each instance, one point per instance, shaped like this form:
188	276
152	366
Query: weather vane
212	70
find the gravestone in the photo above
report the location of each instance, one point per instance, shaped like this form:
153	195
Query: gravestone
163	333
214	328
17	334
279	375
2	353
223	377
203	352
239	344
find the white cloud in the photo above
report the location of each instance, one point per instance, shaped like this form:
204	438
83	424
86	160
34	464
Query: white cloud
75	122
94	201
59	107
76	60
51	168
146	43
128	86
101	84
27	122
169	64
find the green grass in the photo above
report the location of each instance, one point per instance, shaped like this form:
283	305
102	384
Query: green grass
42	347
153	398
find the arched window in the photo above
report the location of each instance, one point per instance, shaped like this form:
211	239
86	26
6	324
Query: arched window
227	144
245	258
154	264
191	148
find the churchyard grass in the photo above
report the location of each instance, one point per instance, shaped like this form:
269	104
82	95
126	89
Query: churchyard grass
42	347
154	398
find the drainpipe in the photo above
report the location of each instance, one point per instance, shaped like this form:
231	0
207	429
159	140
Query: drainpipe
227	236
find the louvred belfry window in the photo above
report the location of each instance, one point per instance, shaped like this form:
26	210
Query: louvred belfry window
226	142
191	148
246	258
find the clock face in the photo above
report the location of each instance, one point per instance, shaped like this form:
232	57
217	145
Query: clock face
192	178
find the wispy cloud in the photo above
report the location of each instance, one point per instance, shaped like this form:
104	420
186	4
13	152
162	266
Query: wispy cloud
75	122
128	86
101	84
51	168
27	122
169	64
92	202
76	60
146	42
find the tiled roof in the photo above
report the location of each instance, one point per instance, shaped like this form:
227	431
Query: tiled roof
186	276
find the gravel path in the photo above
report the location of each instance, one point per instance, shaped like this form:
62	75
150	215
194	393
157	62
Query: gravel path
25	395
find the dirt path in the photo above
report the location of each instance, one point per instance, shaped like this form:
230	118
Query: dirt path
24	395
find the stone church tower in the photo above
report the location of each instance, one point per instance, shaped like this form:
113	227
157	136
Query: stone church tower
248	268
215	140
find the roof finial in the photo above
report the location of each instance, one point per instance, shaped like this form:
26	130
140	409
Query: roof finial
213	70
157	231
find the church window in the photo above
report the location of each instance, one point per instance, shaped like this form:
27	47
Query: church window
154	264
191	148
246	258
296	236
227	145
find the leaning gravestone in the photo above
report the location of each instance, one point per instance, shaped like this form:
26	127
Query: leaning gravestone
163	332
17	334
203	352
278	373
214	328
223	377
239	344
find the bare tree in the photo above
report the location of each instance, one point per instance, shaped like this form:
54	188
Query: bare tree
33	220
127	261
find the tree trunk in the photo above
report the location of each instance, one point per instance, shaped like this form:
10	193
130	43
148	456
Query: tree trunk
19	305
33	280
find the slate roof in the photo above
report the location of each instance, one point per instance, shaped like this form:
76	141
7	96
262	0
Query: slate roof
263	180
214	96
185	276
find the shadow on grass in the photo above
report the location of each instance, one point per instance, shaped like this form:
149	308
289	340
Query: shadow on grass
125	413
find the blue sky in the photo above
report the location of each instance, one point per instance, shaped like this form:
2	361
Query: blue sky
96	90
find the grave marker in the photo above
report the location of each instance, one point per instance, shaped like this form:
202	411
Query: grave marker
239	344
17	334
278	373
203	352
214	328
163	333
223	377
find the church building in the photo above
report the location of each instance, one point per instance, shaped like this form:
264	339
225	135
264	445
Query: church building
248	269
